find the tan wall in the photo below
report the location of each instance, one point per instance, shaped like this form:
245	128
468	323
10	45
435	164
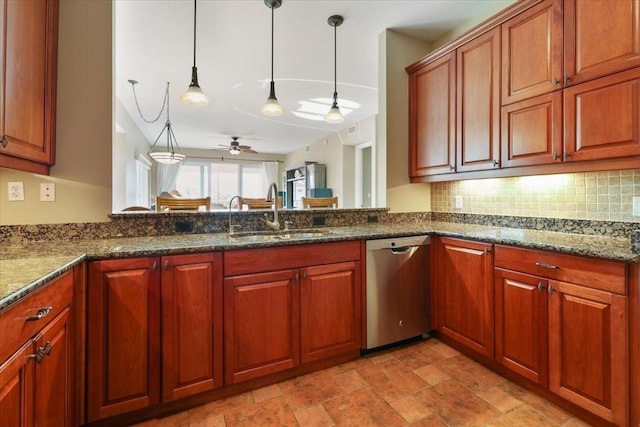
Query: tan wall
82	172
392	142
593	196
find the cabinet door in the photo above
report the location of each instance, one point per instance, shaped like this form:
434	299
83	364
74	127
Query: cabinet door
465	290
191	324
123	336
602	118
600	37
478	103
532	52
261	324
16	388
532	131
587	349
432	112
521	324
53	374
330	310
28	79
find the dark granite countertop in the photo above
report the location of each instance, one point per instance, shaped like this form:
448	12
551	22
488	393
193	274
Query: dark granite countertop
26	267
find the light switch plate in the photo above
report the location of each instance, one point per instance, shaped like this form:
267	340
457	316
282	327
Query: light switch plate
636	206
47	192
16	191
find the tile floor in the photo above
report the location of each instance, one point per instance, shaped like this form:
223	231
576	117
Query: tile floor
423	384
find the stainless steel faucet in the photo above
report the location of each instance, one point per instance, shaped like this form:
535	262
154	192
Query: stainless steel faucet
232	227
272	196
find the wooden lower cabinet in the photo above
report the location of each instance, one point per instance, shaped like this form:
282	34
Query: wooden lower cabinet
277	320
521	324
587	349
463	285
566	331
36	380
127	304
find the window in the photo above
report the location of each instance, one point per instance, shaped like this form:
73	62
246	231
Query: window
220	181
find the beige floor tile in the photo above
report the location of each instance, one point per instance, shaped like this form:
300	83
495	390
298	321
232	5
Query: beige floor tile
502	400
218	407
271	412
411	409
432	374
265	393
311	389
313	416
350	381
392	380
362	408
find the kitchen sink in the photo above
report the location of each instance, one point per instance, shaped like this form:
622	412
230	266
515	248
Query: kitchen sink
259	237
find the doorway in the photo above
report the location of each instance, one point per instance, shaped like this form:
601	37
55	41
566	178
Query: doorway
365	170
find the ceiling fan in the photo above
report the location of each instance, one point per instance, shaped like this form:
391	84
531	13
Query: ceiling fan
235	148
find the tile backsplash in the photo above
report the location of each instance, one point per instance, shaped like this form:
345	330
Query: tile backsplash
591	195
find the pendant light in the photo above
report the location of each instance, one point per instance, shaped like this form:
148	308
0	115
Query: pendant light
194	95
272	107
334	115
171	153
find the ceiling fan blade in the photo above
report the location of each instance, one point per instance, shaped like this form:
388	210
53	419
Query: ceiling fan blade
244	147
250	151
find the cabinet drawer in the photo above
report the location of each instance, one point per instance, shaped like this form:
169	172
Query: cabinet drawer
15	324
282	258
601	274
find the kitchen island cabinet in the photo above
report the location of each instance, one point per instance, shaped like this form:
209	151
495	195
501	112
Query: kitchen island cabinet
132	302
561	321
28	51
36	380
291	305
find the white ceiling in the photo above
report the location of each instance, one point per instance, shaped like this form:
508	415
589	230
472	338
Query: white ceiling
154	45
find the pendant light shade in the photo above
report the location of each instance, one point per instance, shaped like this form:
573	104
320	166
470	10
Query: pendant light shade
272	107
334	115
194	94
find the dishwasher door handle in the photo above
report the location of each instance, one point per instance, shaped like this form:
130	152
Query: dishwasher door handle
401	250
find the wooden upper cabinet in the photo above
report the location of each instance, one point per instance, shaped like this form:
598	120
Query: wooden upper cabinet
432	112
601	37
478	103
532	52
532	131
28	51
602	118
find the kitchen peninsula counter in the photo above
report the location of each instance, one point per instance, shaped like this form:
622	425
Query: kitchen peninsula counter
26	267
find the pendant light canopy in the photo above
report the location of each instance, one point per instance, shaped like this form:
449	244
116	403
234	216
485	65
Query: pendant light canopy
272	107
169	154
334	115
194	95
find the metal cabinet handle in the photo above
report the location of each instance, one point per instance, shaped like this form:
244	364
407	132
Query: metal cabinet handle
565	156
305	275
452	168
551	290
43	312
540	287
555	82
566	78
545	265
297	277
5	141
494	163
41	352
166	265
155	266
555	156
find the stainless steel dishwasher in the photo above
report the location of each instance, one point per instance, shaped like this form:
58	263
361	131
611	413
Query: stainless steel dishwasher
397	290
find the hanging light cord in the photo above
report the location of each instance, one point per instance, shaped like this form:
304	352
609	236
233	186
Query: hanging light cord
335	63
194	31
164	103
272	43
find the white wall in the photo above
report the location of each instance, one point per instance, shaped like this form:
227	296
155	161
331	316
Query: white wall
82	172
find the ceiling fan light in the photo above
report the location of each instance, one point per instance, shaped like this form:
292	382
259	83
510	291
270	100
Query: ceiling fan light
234	151
334	115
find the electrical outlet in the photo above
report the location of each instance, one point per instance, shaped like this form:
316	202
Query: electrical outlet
16	191
47	192
457	202
636	206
